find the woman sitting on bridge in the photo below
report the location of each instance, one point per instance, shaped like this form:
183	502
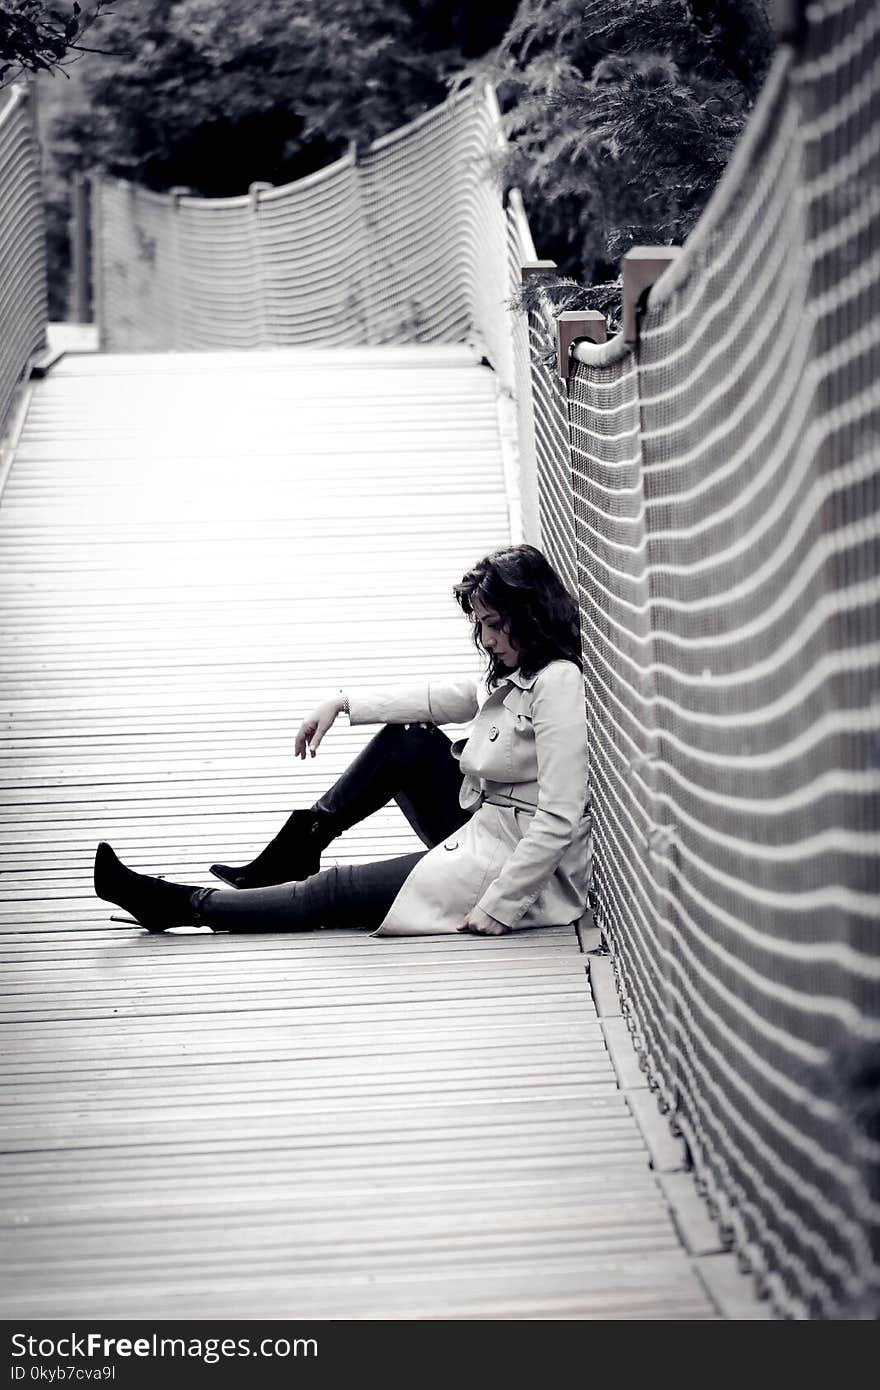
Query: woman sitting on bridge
503	812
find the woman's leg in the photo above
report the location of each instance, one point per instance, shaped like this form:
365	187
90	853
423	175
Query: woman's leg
347	895
350	895
411	764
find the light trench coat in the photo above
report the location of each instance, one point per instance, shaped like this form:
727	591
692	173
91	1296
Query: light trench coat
524	854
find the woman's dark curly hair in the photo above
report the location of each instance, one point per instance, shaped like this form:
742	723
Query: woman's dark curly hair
528	595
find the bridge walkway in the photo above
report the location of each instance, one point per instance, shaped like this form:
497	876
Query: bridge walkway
195	547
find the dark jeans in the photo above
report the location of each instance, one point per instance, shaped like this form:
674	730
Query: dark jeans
411	764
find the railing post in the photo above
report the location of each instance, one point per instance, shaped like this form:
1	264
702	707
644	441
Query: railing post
254	191
96	255
642	268
372	279
530	499
788	20
537	268
31	96
79	301
572	325
177	309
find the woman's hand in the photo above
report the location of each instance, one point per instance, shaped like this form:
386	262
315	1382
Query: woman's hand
481	924
315	725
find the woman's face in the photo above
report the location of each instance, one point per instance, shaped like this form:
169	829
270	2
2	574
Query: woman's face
494	636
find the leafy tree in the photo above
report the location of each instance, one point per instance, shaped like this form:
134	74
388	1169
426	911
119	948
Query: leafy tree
42	36
738	36
214	94
623	115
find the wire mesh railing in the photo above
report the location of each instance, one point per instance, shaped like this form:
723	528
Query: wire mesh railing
404	240
556	532
23	298
725	510
520	255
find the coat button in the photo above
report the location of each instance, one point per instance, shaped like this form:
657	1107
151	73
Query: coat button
451	844
493	733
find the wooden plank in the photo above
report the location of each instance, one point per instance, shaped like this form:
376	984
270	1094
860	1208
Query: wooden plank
623	1055
697	1229
653	1286
668	1154
732	1292
603	987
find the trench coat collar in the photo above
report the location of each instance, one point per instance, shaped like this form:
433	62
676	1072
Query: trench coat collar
517	678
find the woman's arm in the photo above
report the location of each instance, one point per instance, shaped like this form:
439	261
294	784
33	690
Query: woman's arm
434	702
315	725
560	729
430	702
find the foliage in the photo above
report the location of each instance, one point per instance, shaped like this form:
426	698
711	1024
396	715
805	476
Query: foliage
42	35
57	213
213	94
216	94
622	116
738	36
560	294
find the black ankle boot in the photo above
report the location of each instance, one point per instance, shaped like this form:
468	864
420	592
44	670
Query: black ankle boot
295	853
155	903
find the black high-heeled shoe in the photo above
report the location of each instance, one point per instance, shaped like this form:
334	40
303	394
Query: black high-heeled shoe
294	854
153	902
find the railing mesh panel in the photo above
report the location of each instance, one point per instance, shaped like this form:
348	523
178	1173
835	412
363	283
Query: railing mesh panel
520	251
406	240
23	301
616	626
727	517
552	461
309	262
190	273
416	190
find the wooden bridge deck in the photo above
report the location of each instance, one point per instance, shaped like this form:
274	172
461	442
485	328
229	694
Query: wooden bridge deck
193	548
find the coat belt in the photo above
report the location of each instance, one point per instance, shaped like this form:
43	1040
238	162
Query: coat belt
499	799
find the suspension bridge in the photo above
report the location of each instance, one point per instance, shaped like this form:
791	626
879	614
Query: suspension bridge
263	486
